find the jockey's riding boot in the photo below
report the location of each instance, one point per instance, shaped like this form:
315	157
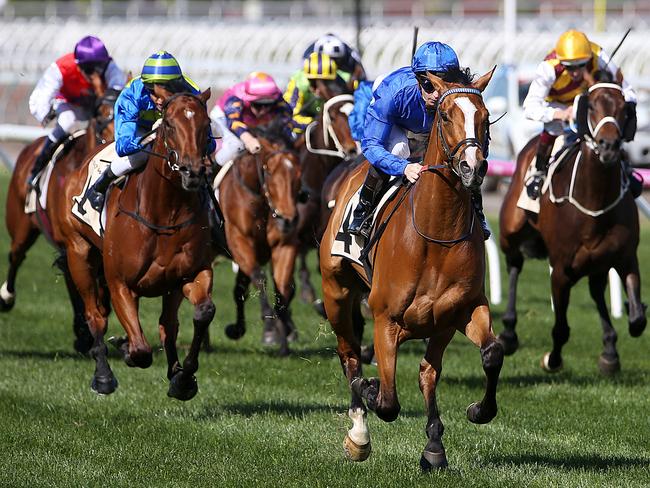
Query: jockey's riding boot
97	192
534	187
477	200
41	161
361	223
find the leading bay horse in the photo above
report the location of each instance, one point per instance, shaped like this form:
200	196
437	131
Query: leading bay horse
25	228
258	198
428	274
157	242
587	224
328	142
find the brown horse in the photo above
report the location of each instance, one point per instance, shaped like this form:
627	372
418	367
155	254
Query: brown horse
25	228
156	243
328	142
587	224
258	198
428	274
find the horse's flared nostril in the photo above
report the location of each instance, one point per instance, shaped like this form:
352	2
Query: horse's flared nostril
465	168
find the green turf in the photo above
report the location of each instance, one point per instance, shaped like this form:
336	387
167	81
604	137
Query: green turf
263	421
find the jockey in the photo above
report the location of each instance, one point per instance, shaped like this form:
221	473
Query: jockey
318	80
347	59
136	110
401	103
560	77
253	102
357	118
67	81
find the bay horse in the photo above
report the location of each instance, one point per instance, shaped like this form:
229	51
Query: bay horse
25	228
428	274
587	224
328	142
156	243
258	199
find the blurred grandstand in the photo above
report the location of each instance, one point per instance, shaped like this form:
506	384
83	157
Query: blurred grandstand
219	42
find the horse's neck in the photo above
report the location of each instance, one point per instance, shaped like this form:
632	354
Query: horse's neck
595	185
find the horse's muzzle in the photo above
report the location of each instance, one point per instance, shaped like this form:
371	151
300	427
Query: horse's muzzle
472	177
609	151
190	180
285	224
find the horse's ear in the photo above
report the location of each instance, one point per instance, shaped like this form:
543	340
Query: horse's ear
437	83
205	96
483	81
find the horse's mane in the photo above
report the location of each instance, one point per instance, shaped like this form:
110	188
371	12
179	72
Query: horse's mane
462	76
178	95
274	131
604	76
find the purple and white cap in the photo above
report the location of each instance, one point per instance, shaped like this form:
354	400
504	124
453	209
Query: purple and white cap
91	50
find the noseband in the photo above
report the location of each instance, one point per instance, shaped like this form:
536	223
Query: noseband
262	174
451	154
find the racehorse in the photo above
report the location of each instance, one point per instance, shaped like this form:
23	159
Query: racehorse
258	198
428	273
156	242
25	228
328	142
587	224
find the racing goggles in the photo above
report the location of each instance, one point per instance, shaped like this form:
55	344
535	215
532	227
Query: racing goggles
264	104
329	84
425	84
574	65
90	68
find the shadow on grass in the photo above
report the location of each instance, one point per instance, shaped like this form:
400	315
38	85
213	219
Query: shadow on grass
50	355
571	462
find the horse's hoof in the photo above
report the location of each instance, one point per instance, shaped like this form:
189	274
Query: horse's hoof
433	460
270	338
509	341
234	331
548	366
355	452
5	306
637	326
182	387
478	414
608	367
103	385
7	298
368	354
319	306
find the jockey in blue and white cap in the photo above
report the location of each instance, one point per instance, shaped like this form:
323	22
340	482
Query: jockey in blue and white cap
136	110
402	102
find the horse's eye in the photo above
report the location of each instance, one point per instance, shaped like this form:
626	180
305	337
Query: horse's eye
444	116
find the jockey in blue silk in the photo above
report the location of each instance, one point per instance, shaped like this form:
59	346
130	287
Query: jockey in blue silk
401	104
136	109
357	118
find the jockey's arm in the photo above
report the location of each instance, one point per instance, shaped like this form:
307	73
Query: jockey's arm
40	101
628	91
535	105
376	134
126	122
114	76
233	108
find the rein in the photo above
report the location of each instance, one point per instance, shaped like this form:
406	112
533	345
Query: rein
262	172
328	130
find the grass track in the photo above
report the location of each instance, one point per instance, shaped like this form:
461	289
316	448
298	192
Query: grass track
262	421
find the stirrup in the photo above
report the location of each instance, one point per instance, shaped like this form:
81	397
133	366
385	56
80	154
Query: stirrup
535	184
96	198
363	230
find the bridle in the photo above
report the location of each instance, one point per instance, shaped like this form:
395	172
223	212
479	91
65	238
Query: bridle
591	136
100	122
328	130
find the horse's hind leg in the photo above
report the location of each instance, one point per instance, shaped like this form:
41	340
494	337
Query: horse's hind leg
479	331
636	308
608	362
24	234
308	293
238	329
433	455
183	385
168	326
269	335
561	289
508	338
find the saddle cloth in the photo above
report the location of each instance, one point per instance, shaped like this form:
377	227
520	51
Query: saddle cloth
525	202
43	178
350	246
81	207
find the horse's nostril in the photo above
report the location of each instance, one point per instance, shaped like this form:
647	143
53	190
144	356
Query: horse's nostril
465	168
482	170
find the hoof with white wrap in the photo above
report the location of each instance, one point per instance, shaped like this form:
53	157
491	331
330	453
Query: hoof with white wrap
7	298
357	441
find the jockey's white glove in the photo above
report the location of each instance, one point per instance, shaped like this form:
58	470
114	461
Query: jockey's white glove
412	171
251	143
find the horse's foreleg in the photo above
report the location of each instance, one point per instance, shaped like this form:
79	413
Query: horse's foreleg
83	271
168	326
561	292
23	238
479	331
386	343
183	385
508	337
608	362
240	293
636	308
283	262
433	455
307	292
269	335
125	303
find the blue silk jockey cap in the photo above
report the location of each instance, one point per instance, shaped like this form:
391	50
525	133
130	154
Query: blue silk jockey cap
434	56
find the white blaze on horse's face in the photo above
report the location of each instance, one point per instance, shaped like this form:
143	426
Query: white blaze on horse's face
188	113
469	109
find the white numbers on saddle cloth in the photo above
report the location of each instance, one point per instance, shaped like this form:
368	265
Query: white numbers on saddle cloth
469	109
188	113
